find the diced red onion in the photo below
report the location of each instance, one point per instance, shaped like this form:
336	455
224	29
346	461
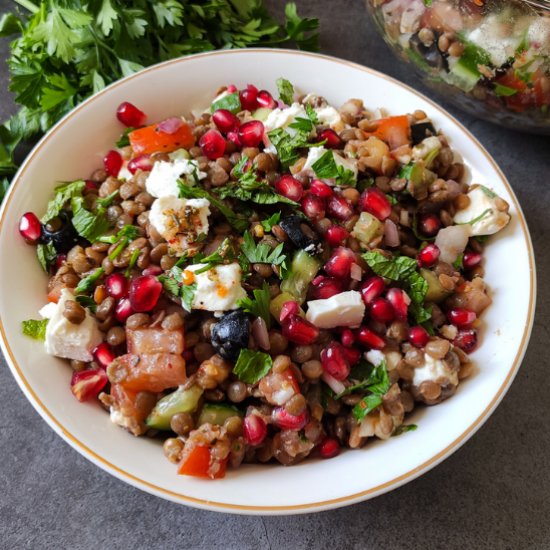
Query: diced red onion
170	125
335	385
356	272
260	334
391	234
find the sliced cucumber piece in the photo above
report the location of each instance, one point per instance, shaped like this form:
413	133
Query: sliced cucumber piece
217	413
436	293
303	269
181	400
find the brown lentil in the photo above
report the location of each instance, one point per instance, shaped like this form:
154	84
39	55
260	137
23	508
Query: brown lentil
182	423
116	336
236	391
173	447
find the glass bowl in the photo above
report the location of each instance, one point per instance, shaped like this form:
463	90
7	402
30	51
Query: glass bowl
490	57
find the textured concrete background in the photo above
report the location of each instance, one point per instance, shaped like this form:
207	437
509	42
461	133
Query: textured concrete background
492	493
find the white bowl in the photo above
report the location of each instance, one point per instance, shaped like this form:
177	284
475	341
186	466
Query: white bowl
75	147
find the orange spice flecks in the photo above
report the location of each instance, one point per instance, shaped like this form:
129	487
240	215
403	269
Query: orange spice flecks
188	277
222	291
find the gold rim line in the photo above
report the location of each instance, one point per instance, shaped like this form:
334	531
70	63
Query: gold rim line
349	499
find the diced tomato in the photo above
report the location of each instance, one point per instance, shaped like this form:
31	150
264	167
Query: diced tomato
151	139
154	340
55	293
125	403
196	463
87	384
394	130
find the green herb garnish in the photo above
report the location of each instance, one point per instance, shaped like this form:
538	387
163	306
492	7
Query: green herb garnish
88	225
63	194
35	329
327	168
252	365
377	385
286	91
259	305
271	221
124	140
230	102
223	253
46	254
262	253
404	428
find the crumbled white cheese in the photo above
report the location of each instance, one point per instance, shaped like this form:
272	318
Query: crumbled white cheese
482	207
434	370
180	221
219	288
66	339
412	14
425	147
375	357
538	35
283	118
163	179
341	310
179	154
315	153
119	419
328	116
124	173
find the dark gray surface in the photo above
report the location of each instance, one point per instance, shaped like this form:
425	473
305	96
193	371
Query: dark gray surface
492	493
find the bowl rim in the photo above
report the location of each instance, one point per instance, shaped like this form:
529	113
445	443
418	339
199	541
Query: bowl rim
178	497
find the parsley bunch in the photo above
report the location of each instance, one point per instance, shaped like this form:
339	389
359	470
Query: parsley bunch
65	50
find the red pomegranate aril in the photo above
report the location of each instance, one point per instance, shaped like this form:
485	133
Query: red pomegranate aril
339	264
313	207
141	162
321	189
372	288
381	310
338	207
376	203
353	355
335	361
418	336
428	255
130	115
60	260
265	99
466	340
347	337
286	421
461	318
289	308
299	330
225	120
233	137
232	88
329	448
90	185
145	292
400	301
117	285
212	144
251	133
429	225
254	429
336	235
103	355
87	384
123	310
369	338
325	287
249	98
331	138
289	187
112	162
471	259
30	227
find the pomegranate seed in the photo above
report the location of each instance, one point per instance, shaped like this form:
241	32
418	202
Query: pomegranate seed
466	340
338	207
130	115
381	310
289	187
254	429
418	336
428	255
212	144
225	120
400	301
142	162
265	99
152	270
372	288
462	318
429	225
325	287
335	361
233	136
251	133
91	185
249	98
369	338
321	189
60	260
331	138
353	355
471	259
376	203
336	235
112	162
232	88
104	355
339	264
347	337
289	308
123	310
299	330
30	227
145	292
117	285
329	448
87	384
286	421
313	207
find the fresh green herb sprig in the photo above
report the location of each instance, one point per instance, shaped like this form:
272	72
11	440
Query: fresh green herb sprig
377	384
35	329
262	253
252	365
259	305
326	167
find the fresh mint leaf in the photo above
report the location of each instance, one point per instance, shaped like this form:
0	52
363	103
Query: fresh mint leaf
288	146
394	268
327	168
230	102
35	329
286	91
170	285
187	293
377	384
251	366
271	221
259	305
404	428
46	254
63	194
88	225
305	125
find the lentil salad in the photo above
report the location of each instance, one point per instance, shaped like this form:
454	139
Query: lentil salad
267	280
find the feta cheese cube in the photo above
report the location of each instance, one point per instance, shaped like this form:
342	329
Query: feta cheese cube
66	339
434	370
180	221
329	116
219	288
346	309
425	147
483	208
283	118
163	179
